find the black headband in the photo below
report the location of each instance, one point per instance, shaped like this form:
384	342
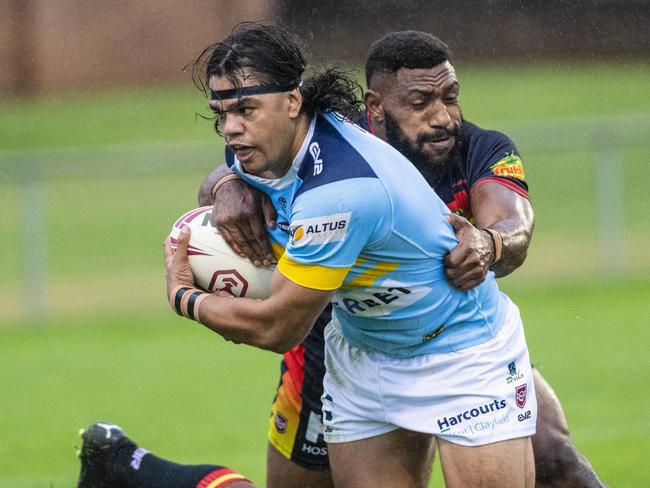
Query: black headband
253	90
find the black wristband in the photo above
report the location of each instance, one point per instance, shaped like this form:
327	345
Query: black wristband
178	298
190	304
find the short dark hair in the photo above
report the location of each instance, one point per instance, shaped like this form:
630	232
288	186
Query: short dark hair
274	57
405	49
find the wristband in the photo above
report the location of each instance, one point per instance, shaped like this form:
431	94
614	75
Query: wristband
176	296
219	183
497	241
186	301
192	303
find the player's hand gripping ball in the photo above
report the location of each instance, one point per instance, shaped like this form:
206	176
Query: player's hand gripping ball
214	265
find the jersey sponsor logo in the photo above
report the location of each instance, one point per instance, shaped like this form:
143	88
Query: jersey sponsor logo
280	423
513	373
314	150
520	395
320	230
510	166
377	301
446	423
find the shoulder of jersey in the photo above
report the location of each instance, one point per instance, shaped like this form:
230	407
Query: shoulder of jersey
333	153
478	135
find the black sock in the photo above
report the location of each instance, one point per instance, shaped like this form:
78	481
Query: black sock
135	467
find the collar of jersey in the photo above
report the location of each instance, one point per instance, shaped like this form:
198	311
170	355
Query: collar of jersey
292	174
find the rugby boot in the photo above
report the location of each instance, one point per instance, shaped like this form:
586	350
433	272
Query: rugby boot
101	441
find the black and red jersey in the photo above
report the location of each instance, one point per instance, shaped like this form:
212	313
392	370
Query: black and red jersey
478	156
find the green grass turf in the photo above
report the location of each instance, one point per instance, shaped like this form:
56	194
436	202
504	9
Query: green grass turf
188	395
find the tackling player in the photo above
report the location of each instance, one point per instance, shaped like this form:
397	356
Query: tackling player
413	93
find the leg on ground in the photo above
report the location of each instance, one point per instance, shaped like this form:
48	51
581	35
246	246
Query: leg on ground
399	459
109	459
505	464
558	463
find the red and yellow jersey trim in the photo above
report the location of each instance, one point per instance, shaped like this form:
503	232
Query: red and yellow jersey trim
220	478
312	276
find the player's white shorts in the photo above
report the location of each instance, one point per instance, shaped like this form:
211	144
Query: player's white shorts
476	396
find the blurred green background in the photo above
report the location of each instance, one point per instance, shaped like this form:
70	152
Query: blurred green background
98	179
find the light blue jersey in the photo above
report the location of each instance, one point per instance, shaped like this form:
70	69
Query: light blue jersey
354	215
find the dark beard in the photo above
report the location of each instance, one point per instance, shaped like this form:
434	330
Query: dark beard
432	170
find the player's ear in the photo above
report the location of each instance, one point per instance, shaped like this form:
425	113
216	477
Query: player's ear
295	103
374	103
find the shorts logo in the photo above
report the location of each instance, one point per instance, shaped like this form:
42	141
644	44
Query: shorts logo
446	423
524	416
320	230
510	166
314	432
314	450
280	423
512	368
314	150
520	395
513	374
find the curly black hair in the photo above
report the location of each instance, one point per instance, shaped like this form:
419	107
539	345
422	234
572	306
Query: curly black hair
405	49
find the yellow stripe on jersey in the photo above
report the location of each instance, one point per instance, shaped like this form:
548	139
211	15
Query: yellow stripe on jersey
277	250
312	276
369	276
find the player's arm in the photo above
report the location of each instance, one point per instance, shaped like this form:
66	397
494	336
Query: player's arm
506	213
276	324
241	213
205	190
498	208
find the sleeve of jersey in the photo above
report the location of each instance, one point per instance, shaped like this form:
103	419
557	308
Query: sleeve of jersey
330	227
496	158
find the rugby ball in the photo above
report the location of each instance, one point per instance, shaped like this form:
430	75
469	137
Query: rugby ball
214	265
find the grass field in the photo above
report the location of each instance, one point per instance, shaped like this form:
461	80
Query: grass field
189	395
119	166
